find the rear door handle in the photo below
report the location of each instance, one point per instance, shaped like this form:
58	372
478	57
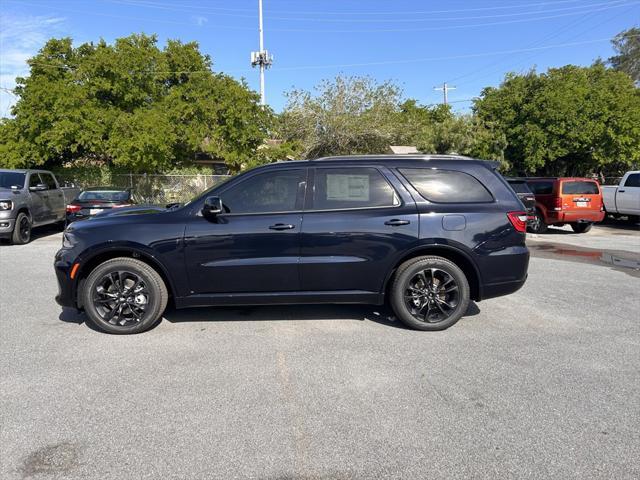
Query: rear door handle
282	226
396	222
620	191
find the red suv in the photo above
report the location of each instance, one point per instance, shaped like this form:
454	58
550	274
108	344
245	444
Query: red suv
562	200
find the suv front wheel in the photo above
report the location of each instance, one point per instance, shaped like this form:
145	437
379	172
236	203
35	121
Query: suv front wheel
429	293
124	295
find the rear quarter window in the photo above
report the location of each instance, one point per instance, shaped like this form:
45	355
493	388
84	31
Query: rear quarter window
446	186
580	188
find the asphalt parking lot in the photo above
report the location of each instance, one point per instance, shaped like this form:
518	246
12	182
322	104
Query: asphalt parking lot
543	384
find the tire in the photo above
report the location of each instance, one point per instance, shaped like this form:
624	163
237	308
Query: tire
21	230
119	309
538	225
581	227
410	309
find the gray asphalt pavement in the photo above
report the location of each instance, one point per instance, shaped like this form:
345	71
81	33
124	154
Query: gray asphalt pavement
543	384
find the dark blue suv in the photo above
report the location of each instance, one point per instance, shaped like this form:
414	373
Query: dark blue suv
428	233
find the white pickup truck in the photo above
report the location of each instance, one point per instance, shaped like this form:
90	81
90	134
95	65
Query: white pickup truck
624	199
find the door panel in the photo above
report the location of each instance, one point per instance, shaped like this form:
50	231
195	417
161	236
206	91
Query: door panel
55	199
628	196
255	245
354	249
241	253
38	200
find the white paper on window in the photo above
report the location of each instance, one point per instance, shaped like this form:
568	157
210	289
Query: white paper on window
353	188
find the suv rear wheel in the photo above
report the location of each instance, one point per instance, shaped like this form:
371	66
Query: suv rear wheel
581	227
429	293
537	225
124	295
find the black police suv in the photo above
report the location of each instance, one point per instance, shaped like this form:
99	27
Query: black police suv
428	233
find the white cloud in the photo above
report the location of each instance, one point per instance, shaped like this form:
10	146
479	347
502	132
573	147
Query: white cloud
20	38
199	20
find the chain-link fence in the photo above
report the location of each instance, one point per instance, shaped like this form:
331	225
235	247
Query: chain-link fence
159	189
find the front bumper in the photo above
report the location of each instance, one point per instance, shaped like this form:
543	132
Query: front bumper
6	226
63	264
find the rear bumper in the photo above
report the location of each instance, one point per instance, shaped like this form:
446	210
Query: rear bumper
592	216
503	272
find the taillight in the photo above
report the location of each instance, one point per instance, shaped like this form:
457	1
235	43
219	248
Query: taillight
518	220
557	204
73	208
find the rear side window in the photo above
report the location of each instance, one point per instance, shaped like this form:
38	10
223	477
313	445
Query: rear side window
446	186
633	180
341	188
520	187
580	188
541	188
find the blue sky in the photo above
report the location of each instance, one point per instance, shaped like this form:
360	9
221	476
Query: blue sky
418	44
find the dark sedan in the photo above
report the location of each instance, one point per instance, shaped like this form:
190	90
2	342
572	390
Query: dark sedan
92	201
525	195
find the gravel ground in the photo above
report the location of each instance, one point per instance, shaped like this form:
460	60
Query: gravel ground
543	384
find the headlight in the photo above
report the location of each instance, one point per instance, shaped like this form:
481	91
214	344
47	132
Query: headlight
68	240
6	204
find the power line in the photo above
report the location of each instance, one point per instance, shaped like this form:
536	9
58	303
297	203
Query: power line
360	12
453	27
579	8
366	64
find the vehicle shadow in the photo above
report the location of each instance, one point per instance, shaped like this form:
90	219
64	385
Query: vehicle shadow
377	314
37	233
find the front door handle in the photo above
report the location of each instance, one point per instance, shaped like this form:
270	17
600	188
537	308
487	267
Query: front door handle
282	226
396	222
620	191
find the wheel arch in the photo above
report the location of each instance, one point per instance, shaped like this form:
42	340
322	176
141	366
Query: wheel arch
90	262
456	255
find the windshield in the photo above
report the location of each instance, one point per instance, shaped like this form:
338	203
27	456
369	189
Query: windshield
10	179
104	195
211	190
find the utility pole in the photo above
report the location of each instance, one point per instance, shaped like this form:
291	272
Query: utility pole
445	90
263	58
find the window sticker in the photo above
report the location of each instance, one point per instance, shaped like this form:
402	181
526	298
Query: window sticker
348	187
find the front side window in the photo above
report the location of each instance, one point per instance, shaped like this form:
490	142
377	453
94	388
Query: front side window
580	188
344	188
269	192
34	180
446	186
48	180
541	188
633	180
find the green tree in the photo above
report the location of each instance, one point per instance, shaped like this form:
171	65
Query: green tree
567	121
130	104
347	115
438	130
627	58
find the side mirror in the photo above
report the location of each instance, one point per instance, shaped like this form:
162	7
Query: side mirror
212	206
38	188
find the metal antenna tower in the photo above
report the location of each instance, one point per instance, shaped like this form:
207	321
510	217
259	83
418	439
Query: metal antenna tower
262	58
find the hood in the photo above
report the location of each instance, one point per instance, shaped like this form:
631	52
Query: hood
130	211
7	193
